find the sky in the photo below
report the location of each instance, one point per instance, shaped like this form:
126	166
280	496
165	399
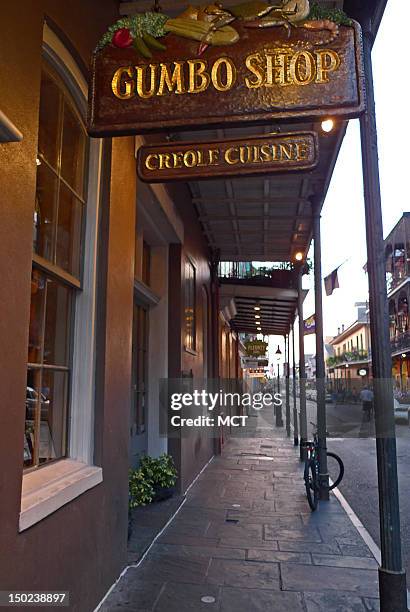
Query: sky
343	228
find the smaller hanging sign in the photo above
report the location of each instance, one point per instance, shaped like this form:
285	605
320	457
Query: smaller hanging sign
256	348
176	161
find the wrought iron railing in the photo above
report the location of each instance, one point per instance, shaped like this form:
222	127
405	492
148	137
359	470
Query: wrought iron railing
247	269
400	342
348	357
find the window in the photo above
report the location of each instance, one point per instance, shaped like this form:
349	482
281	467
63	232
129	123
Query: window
146	263
190	306
140	366
56	276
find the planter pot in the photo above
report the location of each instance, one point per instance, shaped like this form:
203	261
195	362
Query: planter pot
163	493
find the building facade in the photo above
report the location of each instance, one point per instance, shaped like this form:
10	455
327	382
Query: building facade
106	291
349	369
397	255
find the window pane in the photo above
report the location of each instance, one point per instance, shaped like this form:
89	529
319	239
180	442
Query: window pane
44	212
33	384
190	315
57	324
73	150
49	119
36	317
53	421
70	211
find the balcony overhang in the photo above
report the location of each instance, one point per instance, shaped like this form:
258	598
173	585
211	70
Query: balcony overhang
277	308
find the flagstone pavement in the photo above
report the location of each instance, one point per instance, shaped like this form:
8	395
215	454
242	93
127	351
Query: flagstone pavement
245	541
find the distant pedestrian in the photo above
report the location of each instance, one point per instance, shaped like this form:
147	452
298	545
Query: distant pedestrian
366	396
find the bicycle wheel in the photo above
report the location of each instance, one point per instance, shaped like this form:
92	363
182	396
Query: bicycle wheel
311	483
335	468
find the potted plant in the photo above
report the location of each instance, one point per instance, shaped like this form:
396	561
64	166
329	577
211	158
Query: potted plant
161	474
141	491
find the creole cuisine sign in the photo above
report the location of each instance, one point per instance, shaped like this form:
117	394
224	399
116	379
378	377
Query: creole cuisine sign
252	63
246	156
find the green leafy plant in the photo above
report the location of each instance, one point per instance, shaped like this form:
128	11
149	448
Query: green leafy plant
141	491
160	471
333	14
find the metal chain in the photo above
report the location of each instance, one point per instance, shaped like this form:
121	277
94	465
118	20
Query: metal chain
156	8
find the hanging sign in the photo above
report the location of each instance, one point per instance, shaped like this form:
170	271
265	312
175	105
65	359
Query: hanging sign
175	161
256	348
209	67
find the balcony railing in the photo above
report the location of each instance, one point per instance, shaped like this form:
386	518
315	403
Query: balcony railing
395	281
348	357
400	342
246	270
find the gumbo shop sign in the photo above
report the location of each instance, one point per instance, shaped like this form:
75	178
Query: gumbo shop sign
210	66
173	161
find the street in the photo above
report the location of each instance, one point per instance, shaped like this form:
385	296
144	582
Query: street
358	451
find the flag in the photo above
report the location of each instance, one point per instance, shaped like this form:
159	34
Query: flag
331	282
309	325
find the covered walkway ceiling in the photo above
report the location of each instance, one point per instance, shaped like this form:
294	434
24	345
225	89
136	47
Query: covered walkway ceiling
263	218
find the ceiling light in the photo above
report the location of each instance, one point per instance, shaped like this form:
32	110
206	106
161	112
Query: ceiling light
257	307
299	256
328	125
38	161
257	316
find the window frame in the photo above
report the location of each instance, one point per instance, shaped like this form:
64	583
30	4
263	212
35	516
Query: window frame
54	484
190	349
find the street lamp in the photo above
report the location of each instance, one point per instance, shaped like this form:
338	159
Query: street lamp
279	421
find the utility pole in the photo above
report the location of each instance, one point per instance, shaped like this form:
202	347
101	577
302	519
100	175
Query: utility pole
295	410
302	371
287	381
392	577
320	358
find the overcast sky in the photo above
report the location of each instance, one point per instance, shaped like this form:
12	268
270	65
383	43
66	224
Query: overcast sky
343	229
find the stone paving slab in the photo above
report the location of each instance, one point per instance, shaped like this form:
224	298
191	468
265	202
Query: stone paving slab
246	539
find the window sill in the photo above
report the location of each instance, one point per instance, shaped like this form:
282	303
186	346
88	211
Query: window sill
46	490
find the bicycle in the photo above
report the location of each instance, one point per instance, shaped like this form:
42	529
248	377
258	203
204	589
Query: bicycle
311	472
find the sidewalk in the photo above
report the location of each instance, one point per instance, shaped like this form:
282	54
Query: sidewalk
246	541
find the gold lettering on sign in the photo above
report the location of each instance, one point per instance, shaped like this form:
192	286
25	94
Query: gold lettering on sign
174	82
251	62
123	88
216	76
327	61
142	89
197	73
281	151
302	68
148	161
276	68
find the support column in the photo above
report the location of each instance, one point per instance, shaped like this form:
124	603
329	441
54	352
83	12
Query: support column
295	410
320	358
287	387
392	577
302	372
279	419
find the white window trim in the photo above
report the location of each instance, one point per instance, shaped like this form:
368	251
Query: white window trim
47	489
8	131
